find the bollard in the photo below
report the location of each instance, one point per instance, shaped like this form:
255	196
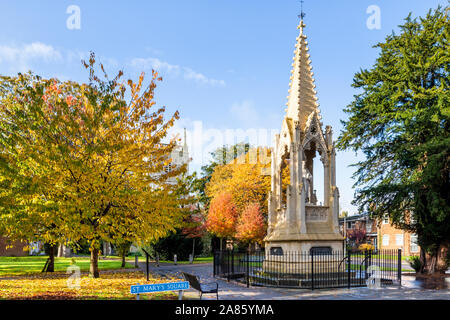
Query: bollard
175	259
147	266
191	258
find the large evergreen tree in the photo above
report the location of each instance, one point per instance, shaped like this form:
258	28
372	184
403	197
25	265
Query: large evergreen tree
400	121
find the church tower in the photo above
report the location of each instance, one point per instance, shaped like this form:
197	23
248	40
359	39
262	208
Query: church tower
296	222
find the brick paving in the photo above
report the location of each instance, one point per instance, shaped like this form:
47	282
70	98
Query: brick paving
410	288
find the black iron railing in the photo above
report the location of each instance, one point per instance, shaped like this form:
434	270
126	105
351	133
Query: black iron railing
310	270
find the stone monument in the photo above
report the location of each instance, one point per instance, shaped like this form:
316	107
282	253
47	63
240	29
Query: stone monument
296	223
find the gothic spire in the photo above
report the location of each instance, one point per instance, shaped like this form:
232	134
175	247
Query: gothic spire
302	99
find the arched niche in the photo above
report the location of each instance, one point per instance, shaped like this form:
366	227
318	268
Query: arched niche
314	145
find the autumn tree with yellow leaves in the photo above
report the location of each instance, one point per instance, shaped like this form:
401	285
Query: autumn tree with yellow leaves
246	178
85	161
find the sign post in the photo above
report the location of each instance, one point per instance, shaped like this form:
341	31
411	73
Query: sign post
160	287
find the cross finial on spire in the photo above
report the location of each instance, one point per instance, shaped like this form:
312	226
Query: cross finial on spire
302	14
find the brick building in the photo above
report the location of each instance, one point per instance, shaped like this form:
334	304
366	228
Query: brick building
361	222
381	234
15	251
390	237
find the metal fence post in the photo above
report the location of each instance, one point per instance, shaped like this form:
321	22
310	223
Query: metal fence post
147	266
349	267
214	264
312	270
399	267
232	262
366	263
247	262
228	265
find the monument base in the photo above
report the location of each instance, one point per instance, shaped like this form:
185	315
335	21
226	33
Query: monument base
301	253
303	265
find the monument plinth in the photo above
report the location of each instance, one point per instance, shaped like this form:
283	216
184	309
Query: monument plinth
296	223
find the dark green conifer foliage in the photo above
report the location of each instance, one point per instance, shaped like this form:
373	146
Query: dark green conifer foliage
400	121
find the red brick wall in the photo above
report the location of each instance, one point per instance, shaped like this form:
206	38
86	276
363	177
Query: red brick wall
15	251
391	232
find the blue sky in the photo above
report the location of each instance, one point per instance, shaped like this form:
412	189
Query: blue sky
226	63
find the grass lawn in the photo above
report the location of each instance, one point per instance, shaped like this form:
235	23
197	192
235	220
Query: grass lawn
13	266
387	257
196	260
53	286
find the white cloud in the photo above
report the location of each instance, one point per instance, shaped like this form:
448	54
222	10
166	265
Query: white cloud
175	70
19	58
31	56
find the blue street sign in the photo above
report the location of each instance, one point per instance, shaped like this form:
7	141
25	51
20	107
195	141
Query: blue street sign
159	287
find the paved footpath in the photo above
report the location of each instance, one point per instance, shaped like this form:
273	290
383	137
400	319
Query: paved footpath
235	291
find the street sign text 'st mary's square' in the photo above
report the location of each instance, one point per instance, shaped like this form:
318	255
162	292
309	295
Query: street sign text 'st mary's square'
159	287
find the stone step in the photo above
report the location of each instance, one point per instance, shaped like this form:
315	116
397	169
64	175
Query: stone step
295	283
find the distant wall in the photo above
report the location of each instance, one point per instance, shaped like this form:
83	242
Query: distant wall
15	251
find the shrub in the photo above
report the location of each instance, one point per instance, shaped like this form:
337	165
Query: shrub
366	247
415	263
176	243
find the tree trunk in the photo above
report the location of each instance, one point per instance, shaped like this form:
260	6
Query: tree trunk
443	258
435	261
60	251
51	262
123	260
193	248
423	260
93	270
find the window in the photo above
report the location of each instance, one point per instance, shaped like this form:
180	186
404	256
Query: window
276	251
385	240
399	239
320	251
169	167
386	220
413	243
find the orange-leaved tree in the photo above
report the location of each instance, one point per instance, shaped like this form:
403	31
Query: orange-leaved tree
246	179
251	226
222	217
